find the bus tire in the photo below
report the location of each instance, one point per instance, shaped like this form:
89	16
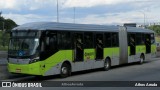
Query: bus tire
65	70
141	59
107	65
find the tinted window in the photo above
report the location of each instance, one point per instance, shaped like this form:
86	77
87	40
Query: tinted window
99	40
140	39
115	40
88	40
108	40
64	40
131	39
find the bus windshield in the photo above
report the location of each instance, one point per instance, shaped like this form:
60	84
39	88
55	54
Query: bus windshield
23	47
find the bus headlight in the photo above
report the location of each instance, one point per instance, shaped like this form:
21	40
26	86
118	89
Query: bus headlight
34	60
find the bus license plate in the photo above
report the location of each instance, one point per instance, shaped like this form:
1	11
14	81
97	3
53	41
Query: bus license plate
18	70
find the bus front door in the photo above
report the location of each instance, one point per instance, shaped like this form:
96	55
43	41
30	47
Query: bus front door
148	43
132	44
99	46
78	47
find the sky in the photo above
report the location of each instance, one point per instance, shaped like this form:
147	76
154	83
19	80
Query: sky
106	12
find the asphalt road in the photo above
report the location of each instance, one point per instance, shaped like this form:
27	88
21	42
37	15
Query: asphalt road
149	71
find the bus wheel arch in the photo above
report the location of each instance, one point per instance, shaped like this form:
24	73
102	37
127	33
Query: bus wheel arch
142	58
107	64
66	69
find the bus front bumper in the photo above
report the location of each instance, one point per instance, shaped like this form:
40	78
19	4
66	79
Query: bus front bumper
31	69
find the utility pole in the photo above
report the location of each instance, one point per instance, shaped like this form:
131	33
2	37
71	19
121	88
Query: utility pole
74	15
144	20
0	13
144	17
57	12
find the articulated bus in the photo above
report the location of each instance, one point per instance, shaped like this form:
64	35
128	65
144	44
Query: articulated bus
49	48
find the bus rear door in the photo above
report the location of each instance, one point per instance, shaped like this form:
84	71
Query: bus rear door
99	46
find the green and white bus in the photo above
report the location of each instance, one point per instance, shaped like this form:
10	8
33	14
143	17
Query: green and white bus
49	48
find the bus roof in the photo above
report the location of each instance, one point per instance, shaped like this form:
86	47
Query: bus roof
75	27
136	29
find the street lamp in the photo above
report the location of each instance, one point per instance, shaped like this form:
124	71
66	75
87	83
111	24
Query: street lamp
144	19
57	12
74	17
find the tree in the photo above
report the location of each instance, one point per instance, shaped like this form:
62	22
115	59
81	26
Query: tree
155	28
1	22
7	25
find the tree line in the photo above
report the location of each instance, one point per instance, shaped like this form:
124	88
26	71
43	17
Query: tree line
6	25
155	28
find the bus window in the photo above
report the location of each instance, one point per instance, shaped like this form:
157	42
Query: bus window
132	43
88	40
108	40
64	40
48	45
78	46
139	39
99	46
148	43
115	40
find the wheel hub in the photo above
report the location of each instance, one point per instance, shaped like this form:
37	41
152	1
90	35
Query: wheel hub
141	60
64	70
107	65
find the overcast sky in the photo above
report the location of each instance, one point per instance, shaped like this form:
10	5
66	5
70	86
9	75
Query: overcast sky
86	11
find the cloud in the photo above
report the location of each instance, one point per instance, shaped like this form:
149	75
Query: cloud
29	4
107	18
120	18
8	4
90	3
21	19
64	4
93	11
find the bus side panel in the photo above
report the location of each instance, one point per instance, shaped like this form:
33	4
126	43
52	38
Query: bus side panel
107	52
89	57
153	50
113	53
89	54
32	69
123	44
130	57
115	56
68	55
55	61
152	54
139	50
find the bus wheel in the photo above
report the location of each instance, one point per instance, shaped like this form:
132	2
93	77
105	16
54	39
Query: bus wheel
141	59
107	65
65	70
